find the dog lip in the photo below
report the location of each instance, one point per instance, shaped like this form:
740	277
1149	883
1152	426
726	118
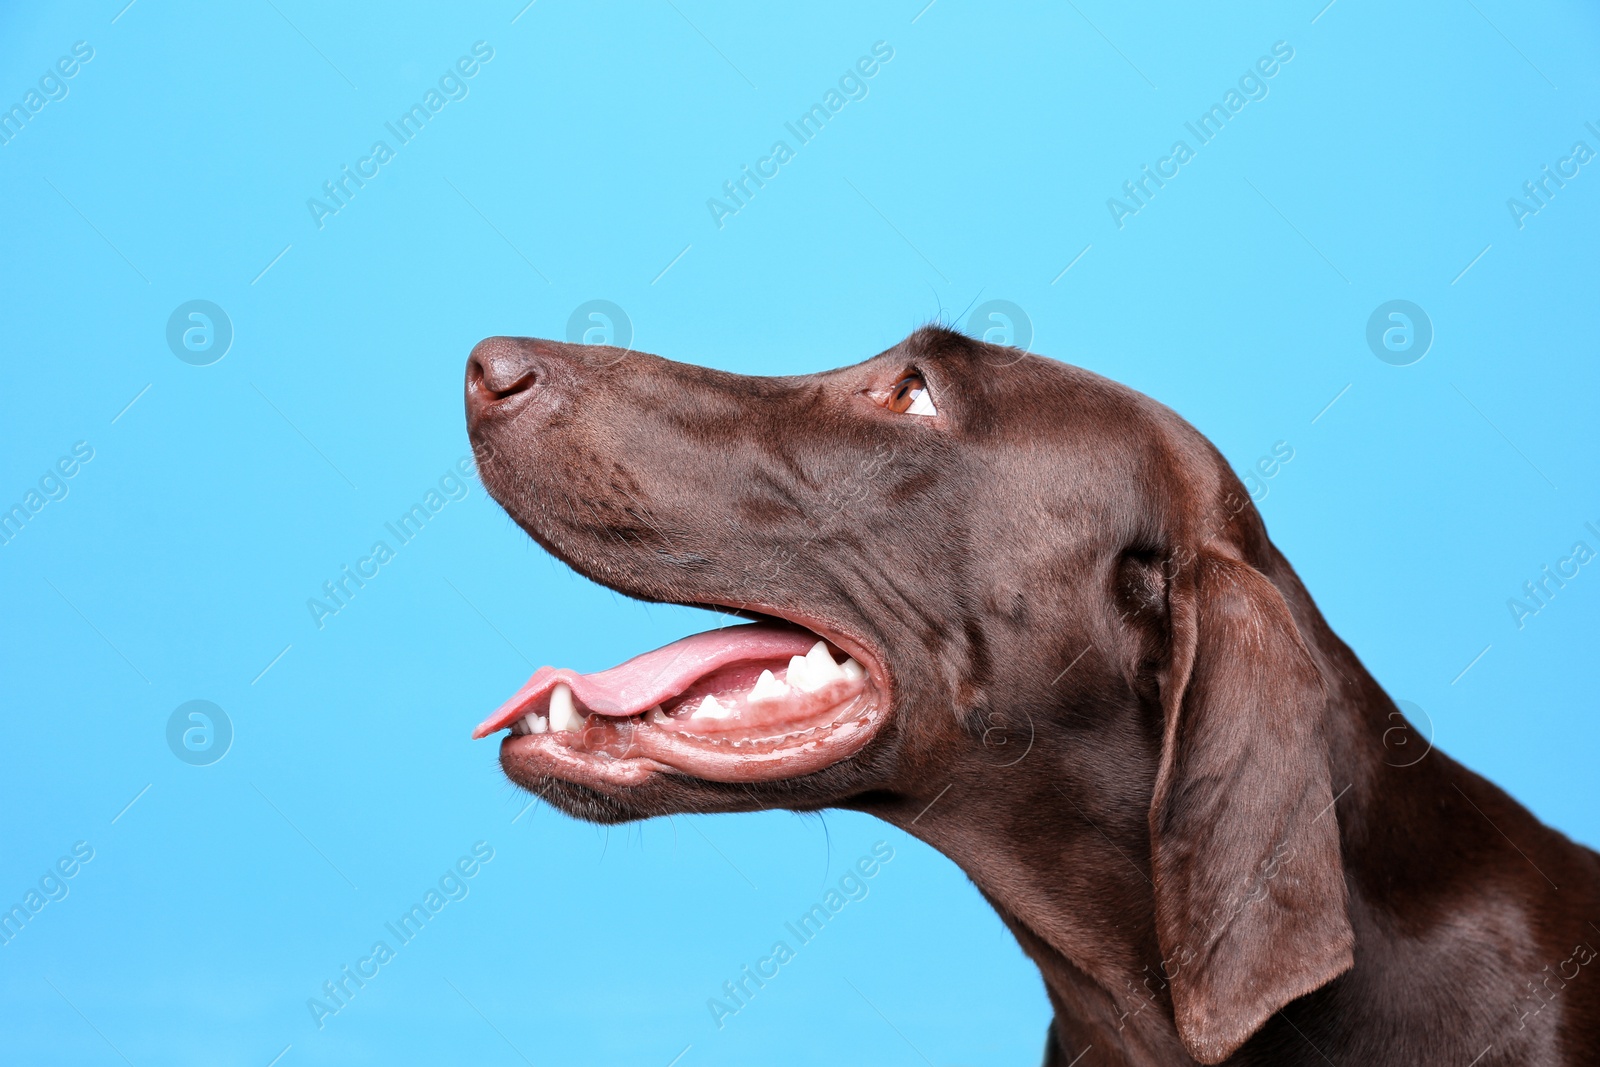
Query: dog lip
630	752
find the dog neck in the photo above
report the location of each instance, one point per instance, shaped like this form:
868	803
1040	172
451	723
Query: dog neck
1074	888
1063	850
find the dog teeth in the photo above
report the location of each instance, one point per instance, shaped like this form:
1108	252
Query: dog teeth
799	674
767	687
563	715
711	708
822	664
815	670
529	724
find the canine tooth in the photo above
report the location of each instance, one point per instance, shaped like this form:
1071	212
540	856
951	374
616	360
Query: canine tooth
563	716
853	670
818	669
711	708
657	716
537	724
767	687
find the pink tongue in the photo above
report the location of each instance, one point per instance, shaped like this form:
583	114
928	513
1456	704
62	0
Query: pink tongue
645	681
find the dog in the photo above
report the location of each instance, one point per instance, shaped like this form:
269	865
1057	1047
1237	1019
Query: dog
1032	617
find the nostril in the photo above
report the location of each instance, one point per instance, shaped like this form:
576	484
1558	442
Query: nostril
527	381
499	368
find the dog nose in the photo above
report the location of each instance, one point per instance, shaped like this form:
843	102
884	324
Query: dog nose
505	375
499	368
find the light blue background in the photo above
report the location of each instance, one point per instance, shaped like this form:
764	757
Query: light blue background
978	167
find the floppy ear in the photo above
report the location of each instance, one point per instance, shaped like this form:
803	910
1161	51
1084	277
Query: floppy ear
1249	887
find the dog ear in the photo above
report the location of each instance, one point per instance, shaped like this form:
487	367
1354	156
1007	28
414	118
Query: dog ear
1249	887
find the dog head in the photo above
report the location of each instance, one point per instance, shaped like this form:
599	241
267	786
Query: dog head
963	562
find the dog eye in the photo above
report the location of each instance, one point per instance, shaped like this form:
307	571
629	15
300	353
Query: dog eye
910	396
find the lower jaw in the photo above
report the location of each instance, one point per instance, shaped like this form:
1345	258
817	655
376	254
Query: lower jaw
630	753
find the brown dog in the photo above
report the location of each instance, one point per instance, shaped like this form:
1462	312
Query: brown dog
1031	616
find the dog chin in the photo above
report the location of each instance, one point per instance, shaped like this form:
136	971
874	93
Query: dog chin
669	793
590	805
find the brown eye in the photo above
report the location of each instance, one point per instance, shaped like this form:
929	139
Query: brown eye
910	397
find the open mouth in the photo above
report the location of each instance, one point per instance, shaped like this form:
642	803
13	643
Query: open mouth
747	703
